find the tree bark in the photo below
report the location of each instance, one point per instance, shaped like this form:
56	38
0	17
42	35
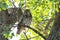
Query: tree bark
55	31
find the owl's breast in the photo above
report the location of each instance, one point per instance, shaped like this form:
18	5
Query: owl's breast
27	21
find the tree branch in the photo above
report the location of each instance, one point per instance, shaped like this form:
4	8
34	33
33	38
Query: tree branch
49	21
26	36
35	31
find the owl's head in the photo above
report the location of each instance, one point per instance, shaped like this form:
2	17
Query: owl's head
27	13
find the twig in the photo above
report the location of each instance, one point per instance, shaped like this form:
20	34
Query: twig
33	37
12	3
35	31
50	20
30	38
26	36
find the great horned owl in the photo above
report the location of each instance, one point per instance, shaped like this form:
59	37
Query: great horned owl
26	20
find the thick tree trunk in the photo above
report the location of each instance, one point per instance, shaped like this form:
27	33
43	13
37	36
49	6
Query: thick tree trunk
55	31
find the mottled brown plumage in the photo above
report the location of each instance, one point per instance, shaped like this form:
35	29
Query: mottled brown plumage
26	20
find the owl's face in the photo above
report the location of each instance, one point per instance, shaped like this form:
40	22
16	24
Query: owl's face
27	13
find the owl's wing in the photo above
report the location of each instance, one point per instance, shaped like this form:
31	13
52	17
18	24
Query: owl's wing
27	21
27	18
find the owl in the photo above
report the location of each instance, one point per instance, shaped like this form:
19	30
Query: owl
26	20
